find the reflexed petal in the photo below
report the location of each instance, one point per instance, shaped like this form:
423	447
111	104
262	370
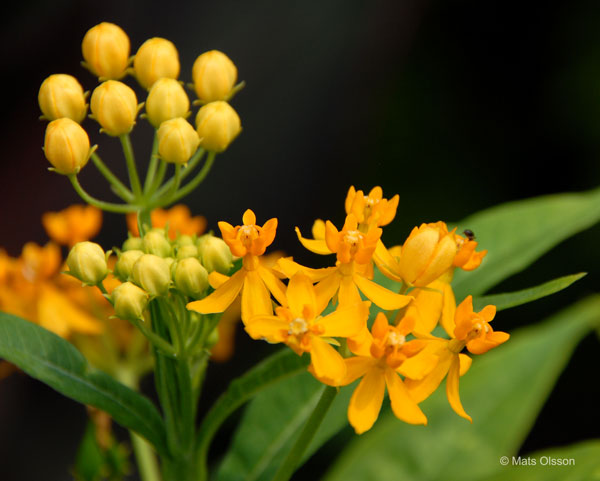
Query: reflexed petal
288	267
318	229
465	363
452	389
275	286
366	400
348	294
419	365
346	322
256	300
271	328
381	296
421	389
427	307
402	404
217	279
318	246
58	314
361	343
357	367
326	289
222	298
386	262
300	293
326	362
448	309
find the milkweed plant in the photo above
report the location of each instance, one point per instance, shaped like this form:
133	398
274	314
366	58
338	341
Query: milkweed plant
406	318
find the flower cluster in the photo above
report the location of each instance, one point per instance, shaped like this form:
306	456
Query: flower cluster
401	351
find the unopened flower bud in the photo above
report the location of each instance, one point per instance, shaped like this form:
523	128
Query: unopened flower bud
177	141
191	277
105	49
214	76
215	255
156	242
87	262
66	146
155	59
185	240
114	105
187	251
217	125
133	244
61	96
213	338
129	301
166	100
152	274
124	267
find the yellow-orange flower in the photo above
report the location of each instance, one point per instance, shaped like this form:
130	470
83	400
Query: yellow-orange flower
371	209
379	357
301	327
178	217
471	330
76	223
254	280
466	258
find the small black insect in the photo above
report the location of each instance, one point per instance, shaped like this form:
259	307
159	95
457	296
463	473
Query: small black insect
469	234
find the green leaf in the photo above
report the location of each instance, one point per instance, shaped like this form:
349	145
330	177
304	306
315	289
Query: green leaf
503	392
279	366
271	424
517	233
57	363
578	462
517	298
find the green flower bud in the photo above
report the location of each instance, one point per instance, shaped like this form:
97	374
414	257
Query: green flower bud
133	244
191	277
156	242
152	274
87	262
187	251
184	240
213	338
215	255
129	301
124	266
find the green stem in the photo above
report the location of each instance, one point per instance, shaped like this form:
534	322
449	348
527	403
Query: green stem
160	175
165	347
134	178
149	182
107	206
295	455
195	182
118	186
189	167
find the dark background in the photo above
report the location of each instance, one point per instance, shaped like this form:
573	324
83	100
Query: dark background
456	106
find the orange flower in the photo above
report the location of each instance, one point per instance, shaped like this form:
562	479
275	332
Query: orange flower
466	258
178	217
371	209
76	223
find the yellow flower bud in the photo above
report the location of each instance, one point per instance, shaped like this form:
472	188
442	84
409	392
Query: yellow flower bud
66	146
177	141
152	274
187	251
185	240
129	301
124	267
214	76
155	59
166	100
191	277
87	262
105	49
133	244
114	105
156	242
61	96
215	254
217	125
427	254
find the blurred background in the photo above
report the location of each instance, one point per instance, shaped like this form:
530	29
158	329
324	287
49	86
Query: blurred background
456	106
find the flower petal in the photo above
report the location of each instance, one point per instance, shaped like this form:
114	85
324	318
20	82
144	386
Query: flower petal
271	328
421	389
256	300
327	363
275	286
222	298
318	246
348	294
300	293
402	404
356	367
217	279
381	296
366	400
386	262
452	389
346	322
326	289
288	267
249	218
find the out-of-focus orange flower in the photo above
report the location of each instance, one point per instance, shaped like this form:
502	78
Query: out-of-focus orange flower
76	223
178	217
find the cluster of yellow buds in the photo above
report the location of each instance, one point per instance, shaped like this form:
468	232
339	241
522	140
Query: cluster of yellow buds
115	106
399	351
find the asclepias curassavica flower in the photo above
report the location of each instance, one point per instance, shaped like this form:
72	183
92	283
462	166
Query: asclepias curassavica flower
383	318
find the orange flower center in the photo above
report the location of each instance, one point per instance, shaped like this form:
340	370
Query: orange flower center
298	327
247	234
352	238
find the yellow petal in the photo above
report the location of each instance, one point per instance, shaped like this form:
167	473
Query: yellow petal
256	300
366	400
440	262
318	229
361	343
348	294
402	404
423	388
386	262
217	279
465	363
249	218
452	389
318	246
271	328
326	289
288	267
346	322
448	309
381	296
419	366
222	298
357	367
427	307
326	362
300	293
275	286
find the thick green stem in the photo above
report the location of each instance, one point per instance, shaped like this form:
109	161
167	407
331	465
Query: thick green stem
118	186
107	206
195	182
295	455
149	182
134	178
